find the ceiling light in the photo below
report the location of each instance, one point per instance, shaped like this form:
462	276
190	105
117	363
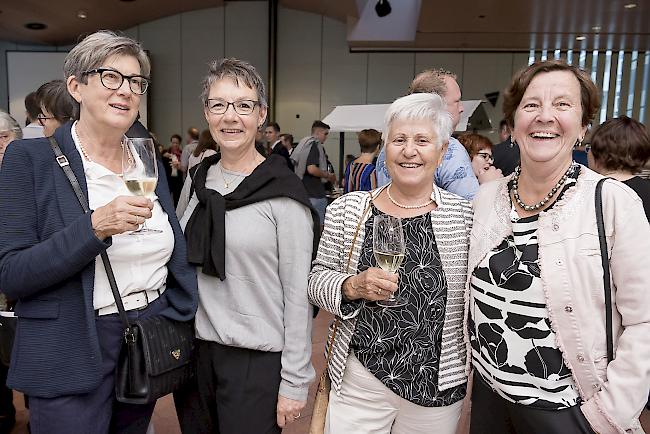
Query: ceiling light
596	28
383	8
580	38
36	26
629	5
481	16
82	15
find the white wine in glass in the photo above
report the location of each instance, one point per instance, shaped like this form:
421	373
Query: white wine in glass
140	172
389	249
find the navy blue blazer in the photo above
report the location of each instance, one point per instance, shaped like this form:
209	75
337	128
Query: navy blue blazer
47	263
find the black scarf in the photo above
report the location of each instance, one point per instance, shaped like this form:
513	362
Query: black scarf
206	229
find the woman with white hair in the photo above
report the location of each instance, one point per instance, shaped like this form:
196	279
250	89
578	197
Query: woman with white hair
69	333
9	131
398	369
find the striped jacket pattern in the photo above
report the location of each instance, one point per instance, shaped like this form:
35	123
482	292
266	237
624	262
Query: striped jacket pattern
451	221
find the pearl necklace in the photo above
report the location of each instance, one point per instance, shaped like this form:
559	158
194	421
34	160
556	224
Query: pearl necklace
546	199
422	205
85	153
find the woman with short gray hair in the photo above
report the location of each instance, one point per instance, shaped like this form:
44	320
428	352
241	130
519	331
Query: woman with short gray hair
250	232
69	333
400	368
9	131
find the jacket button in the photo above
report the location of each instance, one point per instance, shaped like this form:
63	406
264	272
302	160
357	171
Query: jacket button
596	386
568	309
580	358
559	262
556	227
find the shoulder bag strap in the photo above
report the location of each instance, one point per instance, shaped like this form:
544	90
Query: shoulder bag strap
604	257
347	267
74	182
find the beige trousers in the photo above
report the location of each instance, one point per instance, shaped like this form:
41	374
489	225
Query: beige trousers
367	406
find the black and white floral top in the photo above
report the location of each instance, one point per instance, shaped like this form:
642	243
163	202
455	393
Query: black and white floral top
513	344
401	345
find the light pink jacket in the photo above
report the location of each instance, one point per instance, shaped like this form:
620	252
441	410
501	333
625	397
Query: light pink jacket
569	254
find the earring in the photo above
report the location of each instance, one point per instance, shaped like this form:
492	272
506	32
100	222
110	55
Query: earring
578	143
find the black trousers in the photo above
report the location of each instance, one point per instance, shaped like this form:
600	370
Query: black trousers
491	414
235	392
97	412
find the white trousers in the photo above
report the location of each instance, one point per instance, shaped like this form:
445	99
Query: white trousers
366	405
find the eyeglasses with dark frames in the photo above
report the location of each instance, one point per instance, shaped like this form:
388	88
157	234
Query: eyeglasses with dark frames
42	118
112	79
220	106
486	156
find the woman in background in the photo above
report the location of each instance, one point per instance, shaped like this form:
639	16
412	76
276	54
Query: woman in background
206	147
619	148
479	149
56	106
360	174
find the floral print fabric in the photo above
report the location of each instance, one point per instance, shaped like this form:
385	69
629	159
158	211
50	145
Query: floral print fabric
401	345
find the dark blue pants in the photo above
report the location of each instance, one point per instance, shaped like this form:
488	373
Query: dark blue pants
97	412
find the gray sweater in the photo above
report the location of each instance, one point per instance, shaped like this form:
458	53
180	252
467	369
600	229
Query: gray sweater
262	304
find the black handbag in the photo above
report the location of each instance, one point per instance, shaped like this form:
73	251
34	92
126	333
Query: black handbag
604	257
7	335
156	356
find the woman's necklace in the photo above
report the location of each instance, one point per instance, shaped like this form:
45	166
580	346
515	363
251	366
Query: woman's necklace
546	199
422	205
85	153
226	182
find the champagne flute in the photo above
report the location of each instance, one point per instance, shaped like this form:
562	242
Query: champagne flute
140	172
389	249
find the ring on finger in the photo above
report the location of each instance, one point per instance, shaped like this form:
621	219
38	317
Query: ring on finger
378	292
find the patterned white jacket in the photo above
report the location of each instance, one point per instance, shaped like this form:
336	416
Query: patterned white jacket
451	222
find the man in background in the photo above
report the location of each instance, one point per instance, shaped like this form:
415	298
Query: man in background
506	153
32	128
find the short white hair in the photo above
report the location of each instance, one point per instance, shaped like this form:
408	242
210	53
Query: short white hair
420	106
7	123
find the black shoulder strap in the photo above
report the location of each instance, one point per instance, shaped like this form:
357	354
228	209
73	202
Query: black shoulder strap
604	257
65	165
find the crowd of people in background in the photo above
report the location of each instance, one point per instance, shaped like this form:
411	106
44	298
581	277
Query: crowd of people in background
500	278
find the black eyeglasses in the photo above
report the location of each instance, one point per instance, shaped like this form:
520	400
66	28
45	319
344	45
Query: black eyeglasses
112	79
42	118
219	106
486	156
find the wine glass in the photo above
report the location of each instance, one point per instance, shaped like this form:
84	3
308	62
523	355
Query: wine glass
140	172
389	249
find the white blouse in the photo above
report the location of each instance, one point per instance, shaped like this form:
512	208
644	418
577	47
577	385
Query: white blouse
139	261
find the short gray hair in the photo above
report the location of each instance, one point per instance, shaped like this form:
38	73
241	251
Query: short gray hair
238	70
420	106
7	123
95	48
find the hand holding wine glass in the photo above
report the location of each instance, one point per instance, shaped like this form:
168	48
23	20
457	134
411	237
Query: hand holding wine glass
389	249
140	172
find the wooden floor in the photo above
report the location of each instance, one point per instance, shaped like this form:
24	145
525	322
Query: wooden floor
165	421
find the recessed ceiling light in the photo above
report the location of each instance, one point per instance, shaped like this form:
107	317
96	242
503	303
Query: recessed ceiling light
596	28
481	16
36	26
82	15
580	38
629	5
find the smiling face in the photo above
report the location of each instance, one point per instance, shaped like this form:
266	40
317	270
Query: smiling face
49	122
413	152
230	130
103	108
548	120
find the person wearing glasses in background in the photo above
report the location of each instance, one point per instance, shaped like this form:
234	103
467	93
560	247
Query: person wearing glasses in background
69	334
56	106
479	149
250	232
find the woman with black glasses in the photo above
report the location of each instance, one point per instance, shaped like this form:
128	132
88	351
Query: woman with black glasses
56	106
479	149
250	232
69	334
